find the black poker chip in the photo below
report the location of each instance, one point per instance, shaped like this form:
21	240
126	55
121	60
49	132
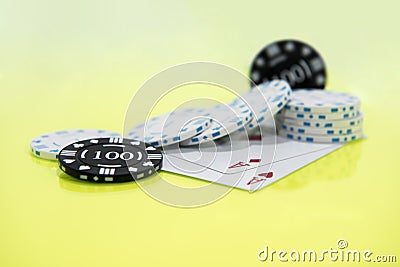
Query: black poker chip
110	160
293	61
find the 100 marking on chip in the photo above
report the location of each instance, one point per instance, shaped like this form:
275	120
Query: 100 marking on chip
110	159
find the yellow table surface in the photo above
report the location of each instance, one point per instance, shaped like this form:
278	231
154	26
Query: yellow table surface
76	64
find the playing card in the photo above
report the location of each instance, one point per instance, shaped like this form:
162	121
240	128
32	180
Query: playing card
243	152
251	179
246	161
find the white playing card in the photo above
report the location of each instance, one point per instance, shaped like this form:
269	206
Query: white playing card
241	154
245	162
251	179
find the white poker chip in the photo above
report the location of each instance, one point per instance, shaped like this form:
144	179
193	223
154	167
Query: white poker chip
321	138
318	116
276	94
173	127
322	101
323	123
49	145
320	131
226	119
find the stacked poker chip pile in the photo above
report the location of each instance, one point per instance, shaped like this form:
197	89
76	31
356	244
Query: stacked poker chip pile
207	124
104	156
309	115
321	116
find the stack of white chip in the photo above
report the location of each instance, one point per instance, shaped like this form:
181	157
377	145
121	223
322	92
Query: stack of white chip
321	116
201	125
47	146
249	110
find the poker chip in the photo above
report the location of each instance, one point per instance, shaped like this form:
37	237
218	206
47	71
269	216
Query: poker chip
319	116
319	101
173	127
48	146
321	138
351	122
111	159
321	131
294	61
275	93
226	119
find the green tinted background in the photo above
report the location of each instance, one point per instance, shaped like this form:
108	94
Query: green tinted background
76	64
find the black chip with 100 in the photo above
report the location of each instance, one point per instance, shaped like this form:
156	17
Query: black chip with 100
111	159
293	61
